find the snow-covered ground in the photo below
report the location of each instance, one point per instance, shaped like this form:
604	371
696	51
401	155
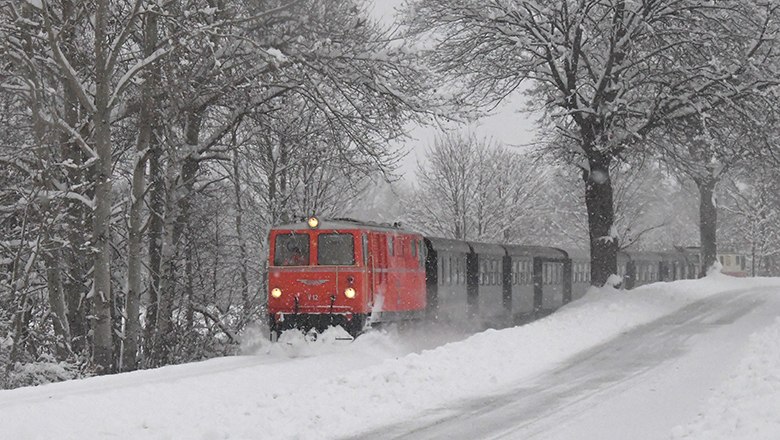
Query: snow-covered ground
747	405
331	389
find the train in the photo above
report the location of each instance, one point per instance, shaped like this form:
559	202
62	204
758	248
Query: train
358	274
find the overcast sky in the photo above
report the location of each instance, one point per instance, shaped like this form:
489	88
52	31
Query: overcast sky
506	125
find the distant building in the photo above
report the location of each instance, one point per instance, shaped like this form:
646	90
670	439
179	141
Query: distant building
734	262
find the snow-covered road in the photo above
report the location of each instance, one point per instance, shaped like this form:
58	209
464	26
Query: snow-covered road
668	360
641	385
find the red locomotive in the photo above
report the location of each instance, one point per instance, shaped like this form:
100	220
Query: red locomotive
344	272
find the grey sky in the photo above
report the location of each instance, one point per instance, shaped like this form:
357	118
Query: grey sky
505	125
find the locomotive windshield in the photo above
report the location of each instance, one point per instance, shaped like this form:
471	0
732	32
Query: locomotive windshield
291	250
335	250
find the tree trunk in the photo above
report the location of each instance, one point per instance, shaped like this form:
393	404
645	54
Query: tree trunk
242	254
146	124
156	209
163	325
708	223
56	299
189	286
176	218
753	259
101	294
48	249
603	240
283	183
74	255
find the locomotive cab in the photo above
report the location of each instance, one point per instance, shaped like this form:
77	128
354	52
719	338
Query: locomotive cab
316	279
332	273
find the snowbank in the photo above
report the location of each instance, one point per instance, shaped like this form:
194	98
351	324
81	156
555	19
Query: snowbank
748	405
306	390
487	362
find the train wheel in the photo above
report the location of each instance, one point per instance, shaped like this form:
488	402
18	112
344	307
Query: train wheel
356	326
273	330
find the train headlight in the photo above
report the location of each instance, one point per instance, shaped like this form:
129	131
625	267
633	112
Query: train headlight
349	292
276	292
313	222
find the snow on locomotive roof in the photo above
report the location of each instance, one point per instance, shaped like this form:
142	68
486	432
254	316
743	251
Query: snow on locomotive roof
344	223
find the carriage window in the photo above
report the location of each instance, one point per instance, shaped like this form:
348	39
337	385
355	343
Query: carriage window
291	250
390	245
550	273
576	273
449	275
335	250
520	272
523	273
440	271
547	273
445	269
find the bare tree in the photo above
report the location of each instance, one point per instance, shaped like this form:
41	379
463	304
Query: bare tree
649	207
130	118
43	42
607	72
706	149
752	216
472	189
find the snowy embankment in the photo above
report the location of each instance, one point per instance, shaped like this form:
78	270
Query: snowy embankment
326	390
747	406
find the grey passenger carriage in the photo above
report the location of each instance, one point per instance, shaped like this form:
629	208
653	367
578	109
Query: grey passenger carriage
487	285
